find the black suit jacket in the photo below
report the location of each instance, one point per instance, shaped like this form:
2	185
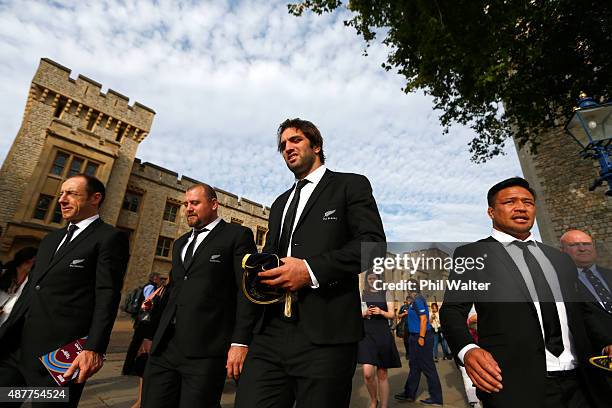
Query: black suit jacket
339	216
607	276
508	325
73	294
206	298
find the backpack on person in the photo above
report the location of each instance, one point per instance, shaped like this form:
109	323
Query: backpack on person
133	300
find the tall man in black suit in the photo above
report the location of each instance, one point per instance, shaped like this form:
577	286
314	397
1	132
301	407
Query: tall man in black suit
207	324
533	342
317	227
73	291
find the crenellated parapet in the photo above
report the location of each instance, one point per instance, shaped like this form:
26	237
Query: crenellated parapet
81	103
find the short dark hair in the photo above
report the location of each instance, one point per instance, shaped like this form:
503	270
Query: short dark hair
93	185
308	128
511	182
209	192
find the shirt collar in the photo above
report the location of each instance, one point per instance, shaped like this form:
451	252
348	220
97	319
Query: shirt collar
81	225
316	175
507	239
210	226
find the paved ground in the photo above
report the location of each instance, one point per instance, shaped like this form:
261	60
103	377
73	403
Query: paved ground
109	388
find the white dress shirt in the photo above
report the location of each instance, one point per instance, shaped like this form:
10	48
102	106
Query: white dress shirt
199	238
81	225
568	359
305	194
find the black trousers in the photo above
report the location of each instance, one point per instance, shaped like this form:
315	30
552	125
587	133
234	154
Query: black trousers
173	380
18	368
565	392
283	367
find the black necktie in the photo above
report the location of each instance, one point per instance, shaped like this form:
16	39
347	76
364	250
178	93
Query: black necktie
69	234
190	248
548	308
283	243
604	295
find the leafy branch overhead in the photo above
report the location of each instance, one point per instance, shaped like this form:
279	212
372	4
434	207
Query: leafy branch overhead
501	67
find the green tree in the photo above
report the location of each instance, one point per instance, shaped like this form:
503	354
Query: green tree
472	56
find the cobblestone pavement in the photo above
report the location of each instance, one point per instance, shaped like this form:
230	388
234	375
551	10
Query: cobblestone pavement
108	388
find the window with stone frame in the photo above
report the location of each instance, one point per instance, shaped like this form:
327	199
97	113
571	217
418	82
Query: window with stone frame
236	221
57	213
260	236
74	163
171	211
42	207
163	246
131	201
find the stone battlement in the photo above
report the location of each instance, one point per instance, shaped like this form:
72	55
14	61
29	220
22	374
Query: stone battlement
171	179
52	77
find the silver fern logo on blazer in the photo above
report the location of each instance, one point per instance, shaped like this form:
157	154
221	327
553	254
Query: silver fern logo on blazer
77	263
327	215
215	258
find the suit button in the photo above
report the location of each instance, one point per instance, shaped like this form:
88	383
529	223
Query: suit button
37	287
185	278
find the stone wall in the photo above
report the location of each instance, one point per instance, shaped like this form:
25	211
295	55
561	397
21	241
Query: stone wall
562	179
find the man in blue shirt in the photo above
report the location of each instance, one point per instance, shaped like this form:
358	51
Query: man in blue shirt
420	342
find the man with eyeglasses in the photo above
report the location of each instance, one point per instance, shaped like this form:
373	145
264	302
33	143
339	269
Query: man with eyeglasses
595	278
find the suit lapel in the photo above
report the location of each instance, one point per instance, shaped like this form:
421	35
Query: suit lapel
276	221
215	231
327	177
177	249
55	258
500	252
46	252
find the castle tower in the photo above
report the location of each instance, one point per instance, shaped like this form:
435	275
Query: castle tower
69	126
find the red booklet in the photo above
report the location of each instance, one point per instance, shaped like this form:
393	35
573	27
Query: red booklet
58	361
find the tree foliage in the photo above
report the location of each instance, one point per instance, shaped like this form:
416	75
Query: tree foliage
472	56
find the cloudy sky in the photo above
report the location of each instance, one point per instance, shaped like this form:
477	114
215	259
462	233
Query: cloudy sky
222	76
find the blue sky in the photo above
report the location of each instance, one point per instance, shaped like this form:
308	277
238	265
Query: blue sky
222	76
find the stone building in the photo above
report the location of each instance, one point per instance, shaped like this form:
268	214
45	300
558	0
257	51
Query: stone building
431	268
69	126
561	179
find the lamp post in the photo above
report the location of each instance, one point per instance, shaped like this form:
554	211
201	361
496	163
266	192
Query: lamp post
591	128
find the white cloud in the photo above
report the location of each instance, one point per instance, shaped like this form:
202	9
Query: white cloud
222	76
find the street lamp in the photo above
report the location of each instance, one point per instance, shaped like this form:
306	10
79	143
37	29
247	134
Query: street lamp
591	128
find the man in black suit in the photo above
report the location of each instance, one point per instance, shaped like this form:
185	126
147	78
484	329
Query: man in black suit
206	327
533	342
596	279
73	291
317	227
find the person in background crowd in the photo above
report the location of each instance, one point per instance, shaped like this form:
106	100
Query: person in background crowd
403	321
438	335
13	279
152	285
144	329
596	279
421	354
377	351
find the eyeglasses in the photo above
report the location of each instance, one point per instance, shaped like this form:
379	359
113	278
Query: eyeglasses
580	244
